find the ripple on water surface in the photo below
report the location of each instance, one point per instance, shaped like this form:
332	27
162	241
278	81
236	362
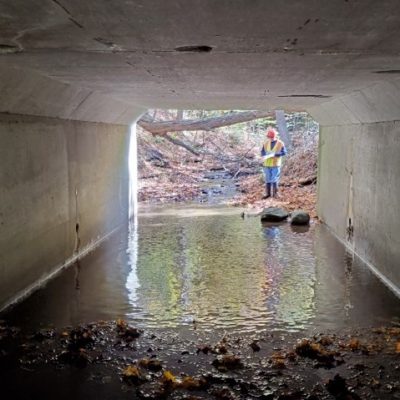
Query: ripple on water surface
210	269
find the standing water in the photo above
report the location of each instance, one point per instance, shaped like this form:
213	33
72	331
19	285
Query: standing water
180	267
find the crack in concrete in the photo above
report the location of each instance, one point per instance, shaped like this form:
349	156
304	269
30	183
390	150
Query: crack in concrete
71	17
76	23
16	39
62	7
81	102
77	237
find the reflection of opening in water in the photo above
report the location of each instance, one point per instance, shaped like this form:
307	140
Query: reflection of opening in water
132	282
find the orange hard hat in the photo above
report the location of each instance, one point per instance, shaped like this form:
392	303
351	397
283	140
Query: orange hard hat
271	133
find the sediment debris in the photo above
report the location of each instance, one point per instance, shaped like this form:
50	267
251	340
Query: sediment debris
255	346
341	365
315	351
227	362
126	332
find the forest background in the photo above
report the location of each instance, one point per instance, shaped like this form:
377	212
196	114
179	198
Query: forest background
183	157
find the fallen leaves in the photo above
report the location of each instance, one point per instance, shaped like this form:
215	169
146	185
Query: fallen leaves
315	351
280	370
186	383
151	364
126	332
277	361
354	344
132	374
227	362
291	196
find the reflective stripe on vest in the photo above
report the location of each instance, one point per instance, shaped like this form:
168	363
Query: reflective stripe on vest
273	161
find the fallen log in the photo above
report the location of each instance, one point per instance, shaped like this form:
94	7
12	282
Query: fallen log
204	124
310	180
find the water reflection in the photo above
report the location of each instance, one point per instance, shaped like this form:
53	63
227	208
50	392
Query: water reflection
132	282
174	267
219	271
291	274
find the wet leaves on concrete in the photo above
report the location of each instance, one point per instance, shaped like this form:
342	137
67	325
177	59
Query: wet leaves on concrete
191	383
126	332
172	382
354	344
277	361
275	372
338	388
44	334
151	364
398	347
80	358
315	351
255	346
227	362
223	394
132	375
80	338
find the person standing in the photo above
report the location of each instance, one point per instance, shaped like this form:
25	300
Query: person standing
272	152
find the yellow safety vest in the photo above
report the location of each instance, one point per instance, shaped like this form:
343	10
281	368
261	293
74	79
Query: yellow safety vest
273	161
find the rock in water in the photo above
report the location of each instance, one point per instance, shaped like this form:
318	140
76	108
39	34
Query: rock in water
300	217
274	214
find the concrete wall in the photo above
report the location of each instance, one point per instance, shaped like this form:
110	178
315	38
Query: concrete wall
359	179
23	91
55	174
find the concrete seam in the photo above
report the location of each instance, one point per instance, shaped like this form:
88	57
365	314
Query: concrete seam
395	289
350	111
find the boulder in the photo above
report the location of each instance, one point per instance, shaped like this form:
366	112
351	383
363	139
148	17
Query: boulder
274	214
300	217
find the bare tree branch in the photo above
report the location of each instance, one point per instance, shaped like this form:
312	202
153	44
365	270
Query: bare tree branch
181	143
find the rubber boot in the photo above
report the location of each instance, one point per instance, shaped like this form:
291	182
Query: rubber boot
275	190
267	191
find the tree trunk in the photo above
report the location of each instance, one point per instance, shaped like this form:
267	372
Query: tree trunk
282	128
205	124
179	142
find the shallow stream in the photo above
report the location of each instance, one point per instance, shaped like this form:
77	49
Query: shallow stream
206	268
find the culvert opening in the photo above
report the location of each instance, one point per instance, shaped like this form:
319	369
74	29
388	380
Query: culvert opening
219	153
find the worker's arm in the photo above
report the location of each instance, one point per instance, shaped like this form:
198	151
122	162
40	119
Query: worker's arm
281	153
263	152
